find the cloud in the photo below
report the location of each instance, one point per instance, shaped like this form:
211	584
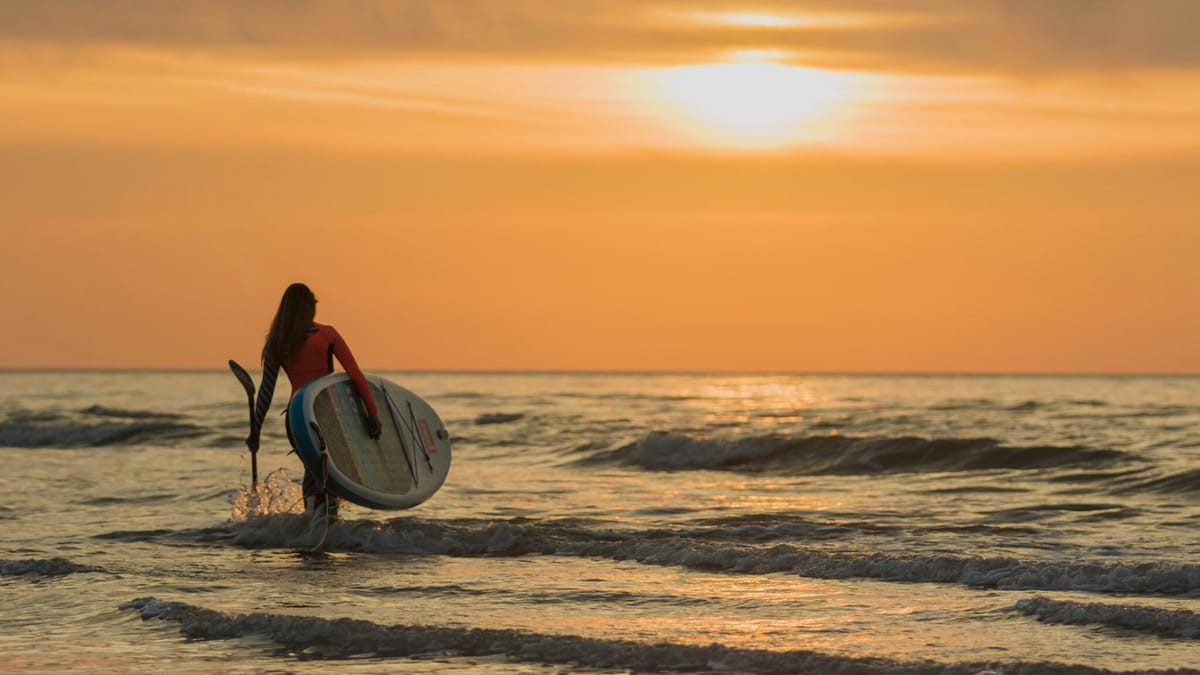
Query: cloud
1055	35
468	26
927	35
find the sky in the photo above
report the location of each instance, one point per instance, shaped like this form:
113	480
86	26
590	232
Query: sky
635	185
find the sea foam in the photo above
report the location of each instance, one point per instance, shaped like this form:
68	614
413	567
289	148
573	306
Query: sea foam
1179	623
711	550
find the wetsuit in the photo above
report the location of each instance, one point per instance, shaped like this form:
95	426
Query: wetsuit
314	359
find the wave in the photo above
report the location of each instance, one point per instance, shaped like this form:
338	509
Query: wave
669	451
498	418
1096	476
771	551
344	637
759	528
136	535
1028	405
94	435
44	567
1147	413
104	411
132	499
957	404
1183	482
1089	512
92	427
1179	623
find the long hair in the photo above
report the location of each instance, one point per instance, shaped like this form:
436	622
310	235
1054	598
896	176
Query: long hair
289	328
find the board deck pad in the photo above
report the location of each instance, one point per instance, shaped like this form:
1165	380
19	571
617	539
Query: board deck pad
384	463
402	468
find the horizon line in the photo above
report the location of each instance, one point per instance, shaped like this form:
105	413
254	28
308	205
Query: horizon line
627	371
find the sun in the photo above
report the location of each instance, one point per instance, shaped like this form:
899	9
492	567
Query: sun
751	101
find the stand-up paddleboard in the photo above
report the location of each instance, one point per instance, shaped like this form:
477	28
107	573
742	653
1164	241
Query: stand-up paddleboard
400	469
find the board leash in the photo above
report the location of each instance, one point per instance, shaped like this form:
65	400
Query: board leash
324	481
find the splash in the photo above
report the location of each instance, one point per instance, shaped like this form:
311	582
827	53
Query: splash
277	493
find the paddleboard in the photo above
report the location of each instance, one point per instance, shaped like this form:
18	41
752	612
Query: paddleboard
402	468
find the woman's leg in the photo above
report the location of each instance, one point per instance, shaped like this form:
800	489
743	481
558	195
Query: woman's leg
310	488
314	497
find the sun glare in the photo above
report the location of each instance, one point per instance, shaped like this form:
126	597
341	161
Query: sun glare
751	101
758	20
761	20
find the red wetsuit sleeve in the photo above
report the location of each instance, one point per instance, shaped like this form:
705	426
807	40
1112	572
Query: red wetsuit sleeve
342	351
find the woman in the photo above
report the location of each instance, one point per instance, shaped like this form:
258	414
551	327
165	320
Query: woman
306	349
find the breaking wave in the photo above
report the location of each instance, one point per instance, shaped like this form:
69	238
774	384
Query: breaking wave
43	567
774	550
344	637
669	451
1178	623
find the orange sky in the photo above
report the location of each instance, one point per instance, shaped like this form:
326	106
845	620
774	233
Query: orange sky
808	185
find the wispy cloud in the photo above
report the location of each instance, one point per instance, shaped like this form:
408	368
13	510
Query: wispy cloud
929	35
945	78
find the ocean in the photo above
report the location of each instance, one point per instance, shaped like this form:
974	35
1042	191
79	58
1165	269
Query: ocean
612	523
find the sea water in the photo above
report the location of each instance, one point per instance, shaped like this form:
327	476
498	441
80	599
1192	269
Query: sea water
615	523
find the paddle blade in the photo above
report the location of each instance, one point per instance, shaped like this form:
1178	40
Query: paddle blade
240	373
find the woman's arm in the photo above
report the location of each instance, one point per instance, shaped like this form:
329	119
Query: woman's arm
345	357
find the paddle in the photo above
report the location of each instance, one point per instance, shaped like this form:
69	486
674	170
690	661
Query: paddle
248	384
